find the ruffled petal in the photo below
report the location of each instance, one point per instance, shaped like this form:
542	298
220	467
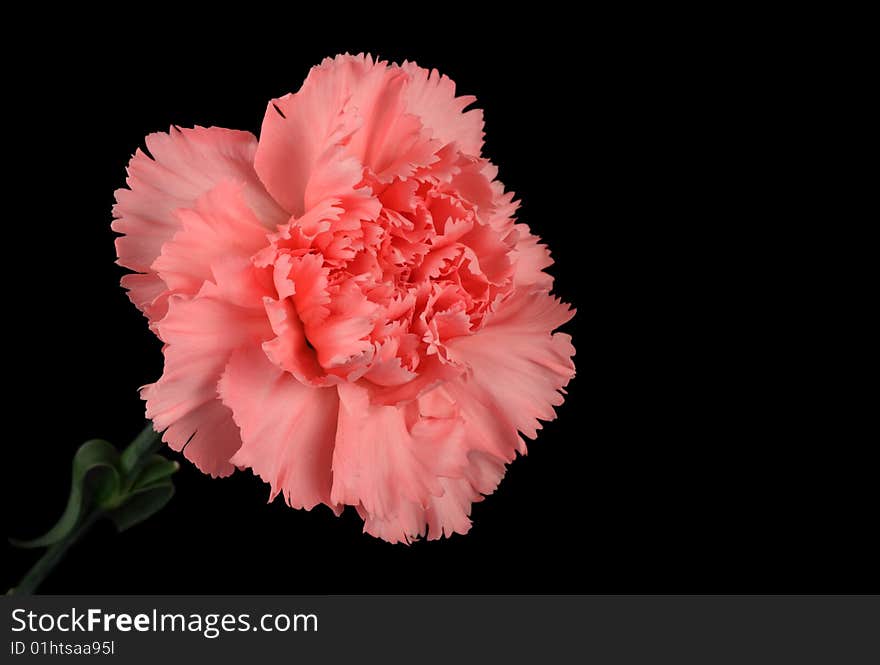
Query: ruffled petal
431	97
307	277
336	327
148	293
299	129
199	336
488	427
531	257
445	514
344	333
207	436
185	164
516	362
219	227
338	180
464	478
350	113
391	142
287	428
289	349
451	512
387	456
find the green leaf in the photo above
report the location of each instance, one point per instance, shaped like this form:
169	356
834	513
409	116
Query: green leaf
141	504
155	469
95	480
139	451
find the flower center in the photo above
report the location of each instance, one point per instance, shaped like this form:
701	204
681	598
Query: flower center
392	288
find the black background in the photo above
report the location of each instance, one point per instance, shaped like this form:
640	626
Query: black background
676	464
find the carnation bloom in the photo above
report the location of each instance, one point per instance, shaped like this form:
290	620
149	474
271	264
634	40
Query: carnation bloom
347	305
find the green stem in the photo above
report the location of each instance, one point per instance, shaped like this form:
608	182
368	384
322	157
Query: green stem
133	458
46	563
138	452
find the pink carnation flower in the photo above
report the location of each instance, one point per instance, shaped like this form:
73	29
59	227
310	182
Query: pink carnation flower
347	305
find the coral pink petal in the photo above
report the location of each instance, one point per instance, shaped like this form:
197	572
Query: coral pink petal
220	226
388	369
431	97
491	252
345	332
309	277
239	282
207	436
298	129
432	372
340	338
185	164
287	428
199	336
451	512
383	459
338	179
445	514
289	349
148	293
391	141
349	114
532	257
489	428
518	362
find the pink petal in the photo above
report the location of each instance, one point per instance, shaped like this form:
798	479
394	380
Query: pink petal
310	296
431	97
451	512
391	142
298	129
350	113
207	436
516	362
471	182
345	333
531	258
199	336
238	281
287	428
185	164
488	427
388	369
432	372
338	179
340	338
219	227
384	459
490	252
289	349
148	293
445	514
488	439
311	335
